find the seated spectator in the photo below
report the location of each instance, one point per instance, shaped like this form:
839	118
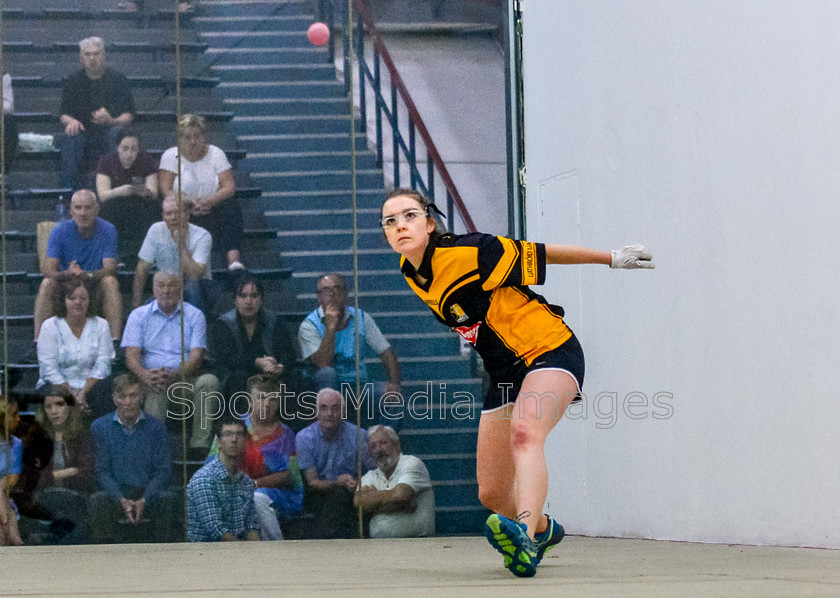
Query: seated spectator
398	492
11	464
69	478
133	468
162	248
327	456
220	496
152	342
37	452
249	340
84	248
328	339
75	349
95	103
127	186
10	142
272	460
208	181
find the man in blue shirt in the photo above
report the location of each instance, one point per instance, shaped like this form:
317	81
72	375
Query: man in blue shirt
327	455
133	467
152	342
220	496
84	247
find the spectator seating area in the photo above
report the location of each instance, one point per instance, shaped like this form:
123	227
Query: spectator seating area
276	108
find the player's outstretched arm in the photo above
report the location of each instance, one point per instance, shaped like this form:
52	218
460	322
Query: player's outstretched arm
630	257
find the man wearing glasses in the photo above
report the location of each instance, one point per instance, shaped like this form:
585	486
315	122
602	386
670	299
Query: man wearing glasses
328	339
220	496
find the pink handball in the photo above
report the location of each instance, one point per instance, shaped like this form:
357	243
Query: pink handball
318	33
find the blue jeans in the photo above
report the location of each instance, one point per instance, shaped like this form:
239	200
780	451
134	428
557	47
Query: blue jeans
91	143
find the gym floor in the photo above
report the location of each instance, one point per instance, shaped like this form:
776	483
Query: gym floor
417	567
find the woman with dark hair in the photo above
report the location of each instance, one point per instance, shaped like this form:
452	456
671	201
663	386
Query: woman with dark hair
478	285
249	340
69	477
207	180
127	186
75	349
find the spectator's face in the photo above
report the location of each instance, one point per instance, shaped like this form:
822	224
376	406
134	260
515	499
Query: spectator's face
232	440
57	411
329	413
167	291
331	291
192	143
172	216
263	404
84	209
77	303
93	60
128	150
129	403
248	301
385	451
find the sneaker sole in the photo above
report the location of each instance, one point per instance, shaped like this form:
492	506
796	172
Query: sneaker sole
500	532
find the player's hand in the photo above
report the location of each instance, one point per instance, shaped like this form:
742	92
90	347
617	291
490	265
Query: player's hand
632	257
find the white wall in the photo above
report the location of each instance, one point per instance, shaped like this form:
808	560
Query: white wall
709	131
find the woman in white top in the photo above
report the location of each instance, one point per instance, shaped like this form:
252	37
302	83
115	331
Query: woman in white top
207	180
75	349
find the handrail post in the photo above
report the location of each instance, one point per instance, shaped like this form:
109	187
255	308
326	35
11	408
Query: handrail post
345	34
395	133
377	86
360	56
430	169
329	14
450	209
412	151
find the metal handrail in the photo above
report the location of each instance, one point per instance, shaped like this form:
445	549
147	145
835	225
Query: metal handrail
399	91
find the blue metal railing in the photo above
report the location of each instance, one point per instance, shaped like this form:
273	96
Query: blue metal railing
404	146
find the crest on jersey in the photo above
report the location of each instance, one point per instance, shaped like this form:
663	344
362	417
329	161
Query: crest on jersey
458	313
469	333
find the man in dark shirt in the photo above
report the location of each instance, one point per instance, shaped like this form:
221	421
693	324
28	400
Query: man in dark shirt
95	103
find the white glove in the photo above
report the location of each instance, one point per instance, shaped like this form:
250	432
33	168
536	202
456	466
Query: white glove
632	257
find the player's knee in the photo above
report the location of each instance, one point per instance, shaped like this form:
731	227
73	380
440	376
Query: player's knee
522	436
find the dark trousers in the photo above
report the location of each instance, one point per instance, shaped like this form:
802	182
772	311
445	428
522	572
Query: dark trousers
132	216
224	222
81	152
107	522
335	515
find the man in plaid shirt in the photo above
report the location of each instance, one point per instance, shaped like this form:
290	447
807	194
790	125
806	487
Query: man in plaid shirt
220	496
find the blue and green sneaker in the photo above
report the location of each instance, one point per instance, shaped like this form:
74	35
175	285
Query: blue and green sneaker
511	539
550	537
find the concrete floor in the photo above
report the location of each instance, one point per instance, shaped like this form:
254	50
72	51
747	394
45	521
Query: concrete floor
424	567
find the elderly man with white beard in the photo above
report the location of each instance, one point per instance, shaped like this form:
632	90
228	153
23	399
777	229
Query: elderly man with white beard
398	492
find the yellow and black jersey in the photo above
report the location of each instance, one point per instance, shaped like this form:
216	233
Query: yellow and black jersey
477	284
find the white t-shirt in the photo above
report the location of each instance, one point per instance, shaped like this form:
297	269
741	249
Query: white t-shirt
159	247
421	523
200	178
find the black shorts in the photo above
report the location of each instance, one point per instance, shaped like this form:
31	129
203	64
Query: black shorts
504	386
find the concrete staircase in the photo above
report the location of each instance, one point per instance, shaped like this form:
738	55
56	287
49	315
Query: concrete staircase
292	117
